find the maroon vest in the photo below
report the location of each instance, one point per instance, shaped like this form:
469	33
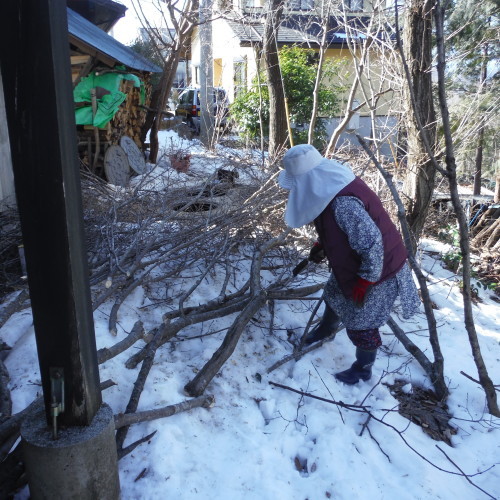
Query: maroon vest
344	261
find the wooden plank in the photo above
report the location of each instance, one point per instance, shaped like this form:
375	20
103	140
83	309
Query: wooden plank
92	51
75	60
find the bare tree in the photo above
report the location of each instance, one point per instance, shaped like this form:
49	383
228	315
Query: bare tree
451	171
420	123
472	39
170	44
323	45
278	127
369	46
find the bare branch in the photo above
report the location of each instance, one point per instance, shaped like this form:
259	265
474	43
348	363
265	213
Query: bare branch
436	368
139	386
297	355
14	306
372	416
355	408
497	387
464	474
126	419
484	377
135	334
123	452
5	399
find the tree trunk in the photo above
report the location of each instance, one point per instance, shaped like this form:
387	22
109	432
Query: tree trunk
166	81
159	98
420	114
278	129
484	378
150	115
479	161
435	370
480	135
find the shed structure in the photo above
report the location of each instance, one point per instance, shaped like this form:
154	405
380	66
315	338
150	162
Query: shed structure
111	87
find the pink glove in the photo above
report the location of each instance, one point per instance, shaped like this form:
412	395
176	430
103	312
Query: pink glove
360	289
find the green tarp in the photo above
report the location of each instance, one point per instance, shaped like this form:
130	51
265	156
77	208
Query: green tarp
107	104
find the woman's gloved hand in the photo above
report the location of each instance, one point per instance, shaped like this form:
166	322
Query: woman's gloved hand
317	254
360	289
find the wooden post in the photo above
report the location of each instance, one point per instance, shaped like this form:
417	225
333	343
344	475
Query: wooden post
96	130
36	72
206	75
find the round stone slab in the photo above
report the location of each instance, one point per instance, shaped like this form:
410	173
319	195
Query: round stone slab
116	166
135	157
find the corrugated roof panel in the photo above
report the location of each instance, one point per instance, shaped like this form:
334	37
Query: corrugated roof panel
90	34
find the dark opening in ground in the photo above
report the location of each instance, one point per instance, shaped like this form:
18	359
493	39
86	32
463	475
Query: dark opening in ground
209	191
199	206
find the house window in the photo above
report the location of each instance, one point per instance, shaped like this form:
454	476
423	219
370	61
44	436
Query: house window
240	75
300	4
354	5
196	76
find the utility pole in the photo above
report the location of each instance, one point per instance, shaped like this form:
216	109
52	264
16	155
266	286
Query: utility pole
206	75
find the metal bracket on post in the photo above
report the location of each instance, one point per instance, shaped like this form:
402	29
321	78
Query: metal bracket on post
56	396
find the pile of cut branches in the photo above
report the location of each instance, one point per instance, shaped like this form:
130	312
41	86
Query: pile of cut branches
165	229
166	234
10	244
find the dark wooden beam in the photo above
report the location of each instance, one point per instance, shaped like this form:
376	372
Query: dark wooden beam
36	73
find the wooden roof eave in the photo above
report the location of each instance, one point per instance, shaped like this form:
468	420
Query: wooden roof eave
92	51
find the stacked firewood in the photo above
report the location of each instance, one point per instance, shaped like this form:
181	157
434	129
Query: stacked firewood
486	232
132	113
486	242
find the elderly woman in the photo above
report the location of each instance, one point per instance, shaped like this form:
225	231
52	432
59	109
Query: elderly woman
364	249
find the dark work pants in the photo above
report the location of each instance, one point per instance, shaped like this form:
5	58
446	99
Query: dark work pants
368	340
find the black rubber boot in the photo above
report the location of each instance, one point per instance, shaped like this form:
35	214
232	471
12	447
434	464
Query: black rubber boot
328	324
360	369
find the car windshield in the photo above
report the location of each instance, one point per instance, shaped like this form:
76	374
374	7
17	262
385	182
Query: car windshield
186	97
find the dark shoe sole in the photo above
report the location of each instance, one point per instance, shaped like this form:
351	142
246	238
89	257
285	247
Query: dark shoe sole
313	337
351	379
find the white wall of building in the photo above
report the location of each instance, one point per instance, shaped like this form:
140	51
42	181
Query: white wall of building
226	52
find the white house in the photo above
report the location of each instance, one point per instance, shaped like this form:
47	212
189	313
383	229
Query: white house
237	39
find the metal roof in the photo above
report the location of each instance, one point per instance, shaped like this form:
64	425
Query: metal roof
295	29
100	41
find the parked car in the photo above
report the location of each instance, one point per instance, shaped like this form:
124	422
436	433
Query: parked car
189	106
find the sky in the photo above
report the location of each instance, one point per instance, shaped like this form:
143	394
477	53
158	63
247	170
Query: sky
126	30
262	442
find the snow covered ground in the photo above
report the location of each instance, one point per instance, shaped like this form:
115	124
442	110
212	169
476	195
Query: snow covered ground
265	443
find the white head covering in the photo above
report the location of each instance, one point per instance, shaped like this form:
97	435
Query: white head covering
313	181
